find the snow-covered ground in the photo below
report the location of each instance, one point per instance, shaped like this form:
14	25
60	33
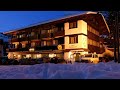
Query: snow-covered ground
102	70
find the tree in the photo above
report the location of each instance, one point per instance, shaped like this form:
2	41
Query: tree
113	20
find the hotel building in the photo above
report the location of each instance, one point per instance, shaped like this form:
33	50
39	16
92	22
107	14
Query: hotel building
63	37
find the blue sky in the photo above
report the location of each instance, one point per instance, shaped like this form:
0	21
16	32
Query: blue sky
11	20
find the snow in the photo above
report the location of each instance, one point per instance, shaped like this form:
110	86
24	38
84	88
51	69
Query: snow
110	70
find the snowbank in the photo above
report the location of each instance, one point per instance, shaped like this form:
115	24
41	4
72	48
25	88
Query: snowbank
102	70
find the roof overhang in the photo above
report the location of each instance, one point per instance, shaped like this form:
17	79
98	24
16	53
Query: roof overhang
98	16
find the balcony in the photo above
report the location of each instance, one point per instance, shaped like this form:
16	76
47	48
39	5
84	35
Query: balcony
47	35
23	39
34	37
48	47
11	50
14	40
59	33
17	49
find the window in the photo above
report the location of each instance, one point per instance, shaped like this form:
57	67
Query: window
23	45
73	39
73	25
32	44
50	31
32	33
43	31
48	43
55	42
43	43
90	42
37	44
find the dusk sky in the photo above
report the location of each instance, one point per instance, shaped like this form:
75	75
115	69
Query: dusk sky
11	20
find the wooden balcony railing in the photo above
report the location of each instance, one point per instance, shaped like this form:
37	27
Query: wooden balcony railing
59	33
14	40
17	49
48	47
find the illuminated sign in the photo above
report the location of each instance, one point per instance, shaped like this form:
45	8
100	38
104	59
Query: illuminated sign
59	47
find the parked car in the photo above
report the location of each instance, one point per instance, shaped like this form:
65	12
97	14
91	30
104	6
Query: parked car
92	58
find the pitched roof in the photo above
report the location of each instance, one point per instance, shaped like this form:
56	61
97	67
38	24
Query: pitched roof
65	18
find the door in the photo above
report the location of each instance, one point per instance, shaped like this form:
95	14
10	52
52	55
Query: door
77	57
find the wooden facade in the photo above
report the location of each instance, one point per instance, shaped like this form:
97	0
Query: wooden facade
49	35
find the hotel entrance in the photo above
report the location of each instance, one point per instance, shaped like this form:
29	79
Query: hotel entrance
76	54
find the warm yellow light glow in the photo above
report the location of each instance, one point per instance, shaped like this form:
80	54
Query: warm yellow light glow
69	54
31	49
19	56
59	47
38	55
28	55
52	55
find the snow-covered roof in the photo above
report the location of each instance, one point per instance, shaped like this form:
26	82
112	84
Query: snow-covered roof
53	20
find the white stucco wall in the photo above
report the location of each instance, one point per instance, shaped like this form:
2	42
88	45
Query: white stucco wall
82	40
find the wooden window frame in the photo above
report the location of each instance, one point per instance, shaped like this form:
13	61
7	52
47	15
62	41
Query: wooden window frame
74	24
75	39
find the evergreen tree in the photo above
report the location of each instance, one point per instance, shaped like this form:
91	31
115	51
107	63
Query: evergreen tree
113	20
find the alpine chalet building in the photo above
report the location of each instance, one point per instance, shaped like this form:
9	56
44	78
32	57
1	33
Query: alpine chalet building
62	38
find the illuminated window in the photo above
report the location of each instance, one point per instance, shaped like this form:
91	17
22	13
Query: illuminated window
55	42
52	55
48	43
31	49
90	41
43	43
39	55
32	33
28	55
73	25
73	39
33	44
23	45
43	31
16	45
88	27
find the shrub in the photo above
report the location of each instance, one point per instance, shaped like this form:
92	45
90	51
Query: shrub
46	59
38	61
24	61
61	61
54	60
107	57
4	60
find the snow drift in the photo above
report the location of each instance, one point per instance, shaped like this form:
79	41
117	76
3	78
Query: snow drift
110	70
